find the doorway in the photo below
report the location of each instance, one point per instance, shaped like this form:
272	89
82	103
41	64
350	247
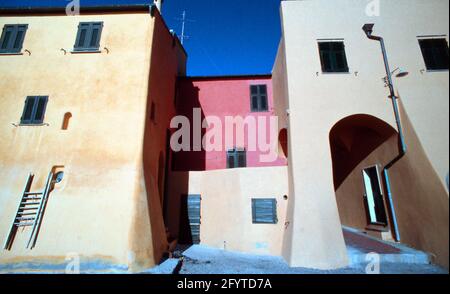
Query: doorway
374	196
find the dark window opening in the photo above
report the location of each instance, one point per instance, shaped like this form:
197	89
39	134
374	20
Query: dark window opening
12	38
258	94
264	211
34	110
88	36
236	158
333	57
435	53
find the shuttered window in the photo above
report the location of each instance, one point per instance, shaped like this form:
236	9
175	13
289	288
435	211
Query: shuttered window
258	98
12	38
333	57
435	53
34	110
194	213
236	158
88	36
264	211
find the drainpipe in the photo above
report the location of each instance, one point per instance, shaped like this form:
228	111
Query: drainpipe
368	29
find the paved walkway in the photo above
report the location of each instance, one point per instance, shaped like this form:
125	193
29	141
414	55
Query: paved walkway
204	260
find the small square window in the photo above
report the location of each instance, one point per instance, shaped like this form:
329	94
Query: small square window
236	158
12	38
34	110
88	36
435	53
333	57
264	211
258	98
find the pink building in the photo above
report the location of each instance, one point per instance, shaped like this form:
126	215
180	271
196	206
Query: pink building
248	97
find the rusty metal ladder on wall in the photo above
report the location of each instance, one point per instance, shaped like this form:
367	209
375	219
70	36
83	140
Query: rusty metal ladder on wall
30	212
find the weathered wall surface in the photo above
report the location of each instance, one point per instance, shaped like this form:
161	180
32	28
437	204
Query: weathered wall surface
168	61
226	208
97	210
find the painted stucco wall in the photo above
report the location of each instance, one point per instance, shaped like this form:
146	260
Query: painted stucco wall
226	210
97	209
317	101
222	97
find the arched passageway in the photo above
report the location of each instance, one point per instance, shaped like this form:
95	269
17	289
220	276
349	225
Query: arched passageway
361	145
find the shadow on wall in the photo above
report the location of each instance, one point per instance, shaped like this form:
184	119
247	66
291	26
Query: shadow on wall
353	139
176	218
187	100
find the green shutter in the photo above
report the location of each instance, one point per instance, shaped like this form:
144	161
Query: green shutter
264	211
28	110
40	109
88	36
194	214
12	38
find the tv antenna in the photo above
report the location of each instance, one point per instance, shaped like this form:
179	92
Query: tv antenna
184	20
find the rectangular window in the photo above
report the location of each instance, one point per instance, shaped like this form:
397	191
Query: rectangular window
264	211
374	196
236	158
12	38
34	110
333	57
88	36
435	53
258	98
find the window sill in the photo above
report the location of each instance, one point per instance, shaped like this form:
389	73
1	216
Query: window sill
86	52
260	111
436	70
378	227
11	54
31	125
337	73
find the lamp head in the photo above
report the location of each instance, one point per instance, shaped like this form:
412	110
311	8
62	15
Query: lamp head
402	74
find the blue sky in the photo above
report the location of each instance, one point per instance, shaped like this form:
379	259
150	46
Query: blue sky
226	37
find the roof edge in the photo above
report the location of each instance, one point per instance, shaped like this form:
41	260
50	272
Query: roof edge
57	10
228	77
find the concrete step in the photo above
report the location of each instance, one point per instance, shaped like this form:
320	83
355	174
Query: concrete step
360	247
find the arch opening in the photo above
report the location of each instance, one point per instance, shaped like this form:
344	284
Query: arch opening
354	138
283	143
361	145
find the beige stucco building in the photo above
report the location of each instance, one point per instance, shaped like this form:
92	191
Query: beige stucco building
342	122
98	129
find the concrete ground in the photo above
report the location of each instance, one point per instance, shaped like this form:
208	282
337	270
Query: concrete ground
366	255
205	260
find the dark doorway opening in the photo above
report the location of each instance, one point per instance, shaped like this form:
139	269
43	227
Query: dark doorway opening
374	197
